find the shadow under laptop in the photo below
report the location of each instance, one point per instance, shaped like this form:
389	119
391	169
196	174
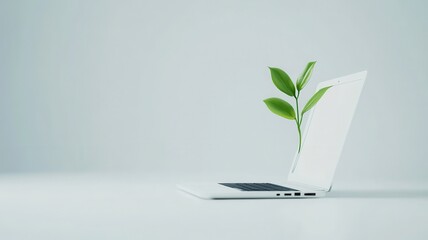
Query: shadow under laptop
378	193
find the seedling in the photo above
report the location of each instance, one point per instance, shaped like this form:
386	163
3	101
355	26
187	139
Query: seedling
284	83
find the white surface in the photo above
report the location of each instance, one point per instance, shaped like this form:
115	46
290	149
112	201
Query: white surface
104	207
326	131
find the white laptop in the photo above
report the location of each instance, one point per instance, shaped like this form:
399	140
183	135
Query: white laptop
311	174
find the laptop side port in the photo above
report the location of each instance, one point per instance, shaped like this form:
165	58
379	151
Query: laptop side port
310	194
297	194
278	194
287	194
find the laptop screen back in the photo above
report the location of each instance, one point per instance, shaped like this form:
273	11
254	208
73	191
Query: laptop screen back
325	132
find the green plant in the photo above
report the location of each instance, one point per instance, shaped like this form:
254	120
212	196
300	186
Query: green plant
284	83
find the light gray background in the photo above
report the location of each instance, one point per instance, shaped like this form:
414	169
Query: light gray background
176	87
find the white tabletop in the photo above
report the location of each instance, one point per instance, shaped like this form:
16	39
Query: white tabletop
76	207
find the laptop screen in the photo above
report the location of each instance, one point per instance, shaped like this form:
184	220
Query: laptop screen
325	133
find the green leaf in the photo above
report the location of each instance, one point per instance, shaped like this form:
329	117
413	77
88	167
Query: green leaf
305	76
280	108
314	99
282	81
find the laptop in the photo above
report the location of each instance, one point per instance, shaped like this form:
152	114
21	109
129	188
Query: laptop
312	171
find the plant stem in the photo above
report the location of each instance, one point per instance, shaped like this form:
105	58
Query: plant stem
298	120
300	136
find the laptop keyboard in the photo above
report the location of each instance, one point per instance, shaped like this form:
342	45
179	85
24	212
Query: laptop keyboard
257	187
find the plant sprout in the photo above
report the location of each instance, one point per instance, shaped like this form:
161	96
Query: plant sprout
284	83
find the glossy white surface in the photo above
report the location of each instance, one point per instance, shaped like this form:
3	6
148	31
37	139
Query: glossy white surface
113	207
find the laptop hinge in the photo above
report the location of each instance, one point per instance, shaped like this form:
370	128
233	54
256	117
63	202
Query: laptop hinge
310	186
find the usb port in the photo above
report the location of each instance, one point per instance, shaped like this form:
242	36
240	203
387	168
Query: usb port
297	194
310	194
287	194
